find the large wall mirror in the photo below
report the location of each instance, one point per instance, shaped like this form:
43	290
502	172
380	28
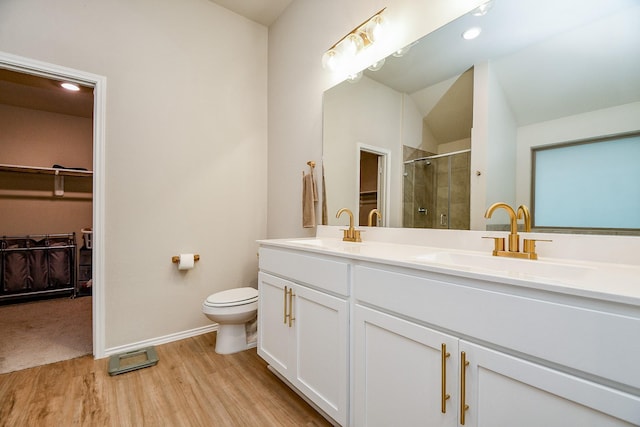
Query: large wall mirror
455	121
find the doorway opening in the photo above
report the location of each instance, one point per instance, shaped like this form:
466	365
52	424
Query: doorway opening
48	74
373	184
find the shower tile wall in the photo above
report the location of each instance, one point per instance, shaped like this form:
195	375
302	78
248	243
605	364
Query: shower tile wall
459	204
441	217
426	185
418	178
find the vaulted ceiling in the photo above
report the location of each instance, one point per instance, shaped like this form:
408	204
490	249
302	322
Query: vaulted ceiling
264	12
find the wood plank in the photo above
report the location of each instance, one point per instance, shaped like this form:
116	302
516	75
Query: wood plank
190	386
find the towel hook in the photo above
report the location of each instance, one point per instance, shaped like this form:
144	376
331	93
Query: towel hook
312	165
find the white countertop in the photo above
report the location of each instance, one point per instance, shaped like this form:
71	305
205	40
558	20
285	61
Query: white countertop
619	283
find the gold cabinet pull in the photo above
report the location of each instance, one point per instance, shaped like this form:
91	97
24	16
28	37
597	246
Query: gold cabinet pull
463	386
443	388
285	305
291	295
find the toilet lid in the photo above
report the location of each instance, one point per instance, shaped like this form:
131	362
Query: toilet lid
237	296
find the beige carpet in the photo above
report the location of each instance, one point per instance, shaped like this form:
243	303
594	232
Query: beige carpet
42	332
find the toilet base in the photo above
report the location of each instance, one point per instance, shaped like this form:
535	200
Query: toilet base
231	338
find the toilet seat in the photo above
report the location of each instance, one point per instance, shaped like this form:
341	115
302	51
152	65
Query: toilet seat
232	297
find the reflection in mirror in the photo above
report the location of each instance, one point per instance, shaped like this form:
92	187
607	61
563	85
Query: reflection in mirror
523	83
595	183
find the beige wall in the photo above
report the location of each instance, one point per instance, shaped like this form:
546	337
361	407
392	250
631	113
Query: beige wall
377	125
297	81
40	138
186	146
186	132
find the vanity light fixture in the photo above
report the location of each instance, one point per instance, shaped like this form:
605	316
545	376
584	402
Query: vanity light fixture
471	33
70	86
359	38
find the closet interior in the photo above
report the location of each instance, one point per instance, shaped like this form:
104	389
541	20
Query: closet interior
46	187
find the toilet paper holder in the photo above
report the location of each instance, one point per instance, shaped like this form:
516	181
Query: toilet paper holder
176	259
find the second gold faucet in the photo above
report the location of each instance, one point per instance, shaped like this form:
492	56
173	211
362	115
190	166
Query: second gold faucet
351	234
371	214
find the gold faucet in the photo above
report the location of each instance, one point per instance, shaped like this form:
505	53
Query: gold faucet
523	212
529	245
371	214
514	240
351	234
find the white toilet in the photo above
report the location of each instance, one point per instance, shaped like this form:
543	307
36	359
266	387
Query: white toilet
231	310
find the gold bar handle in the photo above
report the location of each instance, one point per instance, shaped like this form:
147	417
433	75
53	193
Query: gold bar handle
463	386
291	295
285	305
443	391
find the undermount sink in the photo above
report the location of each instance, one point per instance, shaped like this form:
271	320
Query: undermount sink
330	245
311	242
506	266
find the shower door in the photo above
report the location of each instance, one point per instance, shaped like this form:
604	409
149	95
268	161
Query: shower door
437	192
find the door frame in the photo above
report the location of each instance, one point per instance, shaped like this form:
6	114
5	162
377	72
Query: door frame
99	84
384	179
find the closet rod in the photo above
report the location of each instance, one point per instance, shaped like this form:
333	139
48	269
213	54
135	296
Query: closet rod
42	170
36	248
29	236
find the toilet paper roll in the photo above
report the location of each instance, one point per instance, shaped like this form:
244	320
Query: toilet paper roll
186	262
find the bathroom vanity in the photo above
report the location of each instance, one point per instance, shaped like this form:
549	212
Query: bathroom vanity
376	332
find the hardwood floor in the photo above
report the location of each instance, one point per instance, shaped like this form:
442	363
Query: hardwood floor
190	386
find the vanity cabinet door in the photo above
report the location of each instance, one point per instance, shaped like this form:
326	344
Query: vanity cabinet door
503	390
275	336
303	335
399	372
321	346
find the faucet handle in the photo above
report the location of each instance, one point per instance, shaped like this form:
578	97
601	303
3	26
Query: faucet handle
529	246
498	244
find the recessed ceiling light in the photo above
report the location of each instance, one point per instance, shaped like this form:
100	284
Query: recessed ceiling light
70	86
471	33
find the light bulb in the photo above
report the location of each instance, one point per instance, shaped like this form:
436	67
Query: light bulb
402	52
483	9
355	77
350	46
377	65
375	28
330	60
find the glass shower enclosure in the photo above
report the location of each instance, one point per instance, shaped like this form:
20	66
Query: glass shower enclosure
436	191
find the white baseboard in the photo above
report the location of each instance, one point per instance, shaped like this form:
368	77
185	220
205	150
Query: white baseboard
161	340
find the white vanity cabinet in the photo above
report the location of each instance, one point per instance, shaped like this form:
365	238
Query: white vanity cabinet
502	390
303	325
401	372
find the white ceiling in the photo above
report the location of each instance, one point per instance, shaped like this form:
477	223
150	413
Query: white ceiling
264	12
40	93
588	44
